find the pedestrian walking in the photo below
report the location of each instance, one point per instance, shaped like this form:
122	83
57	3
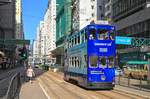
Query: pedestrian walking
30	73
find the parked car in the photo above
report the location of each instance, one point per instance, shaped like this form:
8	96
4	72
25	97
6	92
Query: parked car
36	66
118	72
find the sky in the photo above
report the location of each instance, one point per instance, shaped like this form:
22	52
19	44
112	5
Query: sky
33	13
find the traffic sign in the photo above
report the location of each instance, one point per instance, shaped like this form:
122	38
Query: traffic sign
14	41
123	40
22	42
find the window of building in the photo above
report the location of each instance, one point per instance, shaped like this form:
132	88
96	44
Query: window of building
100	7
92	14
108	7
92	7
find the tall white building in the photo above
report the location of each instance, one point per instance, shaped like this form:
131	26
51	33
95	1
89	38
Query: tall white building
19	24
46	33
52	39
85	12
36	44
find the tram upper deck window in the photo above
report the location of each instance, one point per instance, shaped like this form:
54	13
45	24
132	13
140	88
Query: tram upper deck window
93	61
105	35
112	35
102	34
92	34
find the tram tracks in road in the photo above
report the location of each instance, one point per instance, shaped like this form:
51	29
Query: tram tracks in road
47	88
116	95
115	92
62	86
86	94
94	94
127	94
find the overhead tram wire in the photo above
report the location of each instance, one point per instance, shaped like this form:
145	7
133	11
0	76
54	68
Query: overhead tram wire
33	17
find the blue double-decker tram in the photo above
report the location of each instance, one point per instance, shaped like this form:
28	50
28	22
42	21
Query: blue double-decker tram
90	57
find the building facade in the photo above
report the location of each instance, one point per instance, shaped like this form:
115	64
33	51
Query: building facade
108	10
132	19
37	46
63	27
10	27
7	20
7	28
85	12
52	25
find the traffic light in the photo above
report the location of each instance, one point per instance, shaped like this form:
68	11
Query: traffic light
23	53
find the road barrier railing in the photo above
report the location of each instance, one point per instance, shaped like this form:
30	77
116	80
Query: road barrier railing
14	87
141	84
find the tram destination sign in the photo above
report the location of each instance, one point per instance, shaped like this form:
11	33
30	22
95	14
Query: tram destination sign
102	47
123	40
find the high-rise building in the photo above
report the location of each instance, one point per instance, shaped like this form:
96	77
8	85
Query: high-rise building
46	34
52	25
19	23
85	12
7	21
37	43
8	28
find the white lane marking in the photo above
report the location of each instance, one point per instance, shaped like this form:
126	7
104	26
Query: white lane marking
94	97
58	80
44	91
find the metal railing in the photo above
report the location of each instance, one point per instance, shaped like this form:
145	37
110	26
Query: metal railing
14	87
140	83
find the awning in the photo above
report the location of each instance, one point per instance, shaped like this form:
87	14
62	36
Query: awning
137	62
59	50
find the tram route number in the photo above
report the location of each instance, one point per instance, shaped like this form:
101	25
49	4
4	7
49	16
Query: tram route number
103	50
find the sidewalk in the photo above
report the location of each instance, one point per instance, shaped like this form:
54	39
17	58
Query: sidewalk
32	91
133	91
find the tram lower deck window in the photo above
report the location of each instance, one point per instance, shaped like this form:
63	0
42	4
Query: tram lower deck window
103	61
111	62
93	61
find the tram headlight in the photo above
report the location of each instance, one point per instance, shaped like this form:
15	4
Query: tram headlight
103	77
